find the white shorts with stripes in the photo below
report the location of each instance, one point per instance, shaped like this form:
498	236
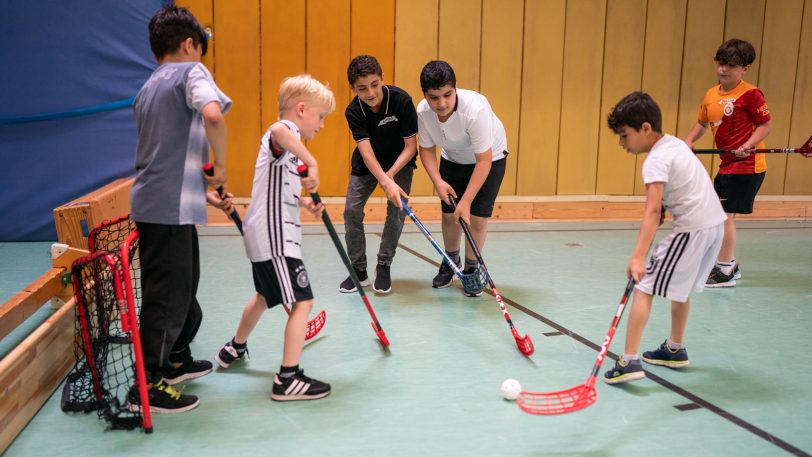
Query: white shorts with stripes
681	263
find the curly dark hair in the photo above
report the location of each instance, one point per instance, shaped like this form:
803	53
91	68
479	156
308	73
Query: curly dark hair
735	52
363	65
633	110
170	26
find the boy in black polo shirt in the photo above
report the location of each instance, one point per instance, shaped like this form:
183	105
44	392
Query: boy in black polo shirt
383	122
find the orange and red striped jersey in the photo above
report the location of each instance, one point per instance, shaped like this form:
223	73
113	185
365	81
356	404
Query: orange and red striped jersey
732	117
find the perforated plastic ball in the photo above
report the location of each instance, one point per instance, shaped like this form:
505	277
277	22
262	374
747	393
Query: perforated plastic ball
511	389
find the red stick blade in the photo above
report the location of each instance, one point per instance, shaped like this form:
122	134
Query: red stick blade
525	345
806	149
314	325
380	334
561	402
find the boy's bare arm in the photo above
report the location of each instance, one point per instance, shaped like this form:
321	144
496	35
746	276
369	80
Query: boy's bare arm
285	140
387	181
648	229
428	157
759	134
215	125
409	151
696	133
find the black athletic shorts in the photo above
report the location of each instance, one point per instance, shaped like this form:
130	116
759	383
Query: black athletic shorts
737	192
282	280
458	176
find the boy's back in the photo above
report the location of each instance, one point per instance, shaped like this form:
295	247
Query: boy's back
172	147
688	193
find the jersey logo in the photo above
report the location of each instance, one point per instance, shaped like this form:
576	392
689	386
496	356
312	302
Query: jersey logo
728	110
387	120
301	277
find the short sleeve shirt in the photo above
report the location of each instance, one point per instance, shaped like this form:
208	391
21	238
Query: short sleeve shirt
386	130
472	129
688	193
732	117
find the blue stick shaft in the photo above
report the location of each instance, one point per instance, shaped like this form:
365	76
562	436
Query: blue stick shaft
426	232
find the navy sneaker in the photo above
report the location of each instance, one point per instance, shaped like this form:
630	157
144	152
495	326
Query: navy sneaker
348	287
718	279
383	280
445	276
667	357
229	354
188	370
298	387
624	372
163	399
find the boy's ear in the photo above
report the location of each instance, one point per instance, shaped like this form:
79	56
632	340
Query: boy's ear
300	108
645	128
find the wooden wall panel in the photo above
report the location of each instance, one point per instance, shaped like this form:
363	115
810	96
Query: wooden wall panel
460	39
799	169
622	74
779	56
238	75
283	51
501	74
328	53
581	96
416	36
703	35
665	32
542	75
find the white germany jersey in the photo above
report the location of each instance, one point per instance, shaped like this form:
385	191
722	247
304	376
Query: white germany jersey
272	227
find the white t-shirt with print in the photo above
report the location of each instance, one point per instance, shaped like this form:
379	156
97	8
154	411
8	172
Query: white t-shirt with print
471	129
688	192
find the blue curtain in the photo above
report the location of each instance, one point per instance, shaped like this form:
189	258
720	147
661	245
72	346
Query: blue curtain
69	72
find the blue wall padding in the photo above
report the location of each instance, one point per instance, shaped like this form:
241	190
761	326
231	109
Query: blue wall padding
58	57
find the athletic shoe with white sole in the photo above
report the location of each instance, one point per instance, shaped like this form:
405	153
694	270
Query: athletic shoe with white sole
188	370
348	287
163	399
229	354
298	387
624	372
718	279
667	357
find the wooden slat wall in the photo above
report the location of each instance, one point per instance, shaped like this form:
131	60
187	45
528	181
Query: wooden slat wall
551	69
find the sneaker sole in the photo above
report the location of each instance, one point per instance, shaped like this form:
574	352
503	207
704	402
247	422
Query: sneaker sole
186	377
737	276
625	378
380	291
276	397
443	286
364	283
722	284
138	409
667	363
223	363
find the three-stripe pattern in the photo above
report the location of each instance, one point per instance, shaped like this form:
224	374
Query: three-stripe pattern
669	263
297	387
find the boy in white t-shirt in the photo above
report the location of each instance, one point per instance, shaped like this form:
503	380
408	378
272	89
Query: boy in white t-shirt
472	164
675	180
273	233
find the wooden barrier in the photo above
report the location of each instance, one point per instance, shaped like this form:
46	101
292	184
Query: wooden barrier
76	218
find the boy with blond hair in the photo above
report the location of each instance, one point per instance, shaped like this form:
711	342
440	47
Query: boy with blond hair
273	233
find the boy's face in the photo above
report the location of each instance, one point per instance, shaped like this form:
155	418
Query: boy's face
635	141
442	100
730	75
312	119
369	89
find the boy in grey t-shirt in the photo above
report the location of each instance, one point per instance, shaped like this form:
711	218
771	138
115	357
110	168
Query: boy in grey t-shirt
178	114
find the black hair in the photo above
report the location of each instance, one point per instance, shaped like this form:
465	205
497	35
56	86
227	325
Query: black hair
437	74
361	66
735	52
633	110
170	26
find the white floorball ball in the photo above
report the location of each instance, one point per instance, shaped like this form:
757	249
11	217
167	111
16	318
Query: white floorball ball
511	389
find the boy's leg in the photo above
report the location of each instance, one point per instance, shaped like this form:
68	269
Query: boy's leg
358	191
254	309
679	320
392	229
295	331
672	352
727	253
628	366
291	383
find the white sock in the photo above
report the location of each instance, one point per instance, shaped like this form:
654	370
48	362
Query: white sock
726	267
629	357
673	345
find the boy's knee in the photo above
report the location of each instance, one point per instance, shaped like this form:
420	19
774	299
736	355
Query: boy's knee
354	214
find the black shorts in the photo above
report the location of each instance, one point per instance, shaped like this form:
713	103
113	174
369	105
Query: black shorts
458	176
281	280
737	192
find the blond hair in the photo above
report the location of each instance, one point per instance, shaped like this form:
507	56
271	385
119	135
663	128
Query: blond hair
303	88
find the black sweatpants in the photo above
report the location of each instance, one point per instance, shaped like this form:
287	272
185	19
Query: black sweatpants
170	314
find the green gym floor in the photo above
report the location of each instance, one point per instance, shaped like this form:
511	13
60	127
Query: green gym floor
436	392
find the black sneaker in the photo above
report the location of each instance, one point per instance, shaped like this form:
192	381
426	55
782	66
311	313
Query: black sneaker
163	399
667	357
383	281
229	354
189	370
624	372
298	387
445	276
718	279
348	287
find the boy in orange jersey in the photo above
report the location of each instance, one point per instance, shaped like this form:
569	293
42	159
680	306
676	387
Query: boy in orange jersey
739	118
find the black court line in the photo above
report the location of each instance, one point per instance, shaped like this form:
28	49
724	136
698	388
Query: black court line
770	438
687	407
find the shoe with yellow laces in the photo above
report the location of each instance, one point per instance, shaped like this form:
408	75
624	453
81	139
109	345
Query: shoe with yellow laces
163	399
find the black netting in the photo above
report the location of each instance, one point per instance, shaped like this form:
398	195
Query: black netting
105	371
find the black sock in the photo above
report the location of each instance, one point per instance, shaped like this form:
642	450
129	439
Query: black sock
471	264
287	372
239	347
454	256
